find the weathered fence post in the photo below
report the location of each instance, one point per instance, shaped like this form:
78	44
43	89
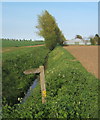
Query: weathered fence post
42	80
42	83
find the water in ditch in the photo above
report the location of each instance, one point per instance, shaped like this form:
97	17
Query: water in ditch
30	90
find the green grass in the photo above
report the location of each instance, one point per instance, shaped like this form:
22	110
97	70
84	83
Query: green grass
72	92
11	43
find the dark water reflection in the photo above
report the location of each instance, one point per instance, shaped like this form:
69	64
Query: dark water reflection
30	90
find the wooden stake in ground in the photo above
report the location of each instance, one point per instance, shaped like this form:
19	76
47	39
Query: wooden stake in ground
42	83
42	80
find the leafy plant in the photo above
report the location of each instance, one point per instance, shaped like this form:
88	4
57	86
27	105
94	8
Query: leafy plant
72	92
15	83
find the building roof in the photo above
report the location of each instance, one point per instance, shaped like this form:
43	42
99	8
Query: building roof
75	40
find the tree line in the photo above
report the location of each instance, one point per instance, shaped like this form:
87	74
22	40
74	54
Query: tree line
7	39
16	39
93	40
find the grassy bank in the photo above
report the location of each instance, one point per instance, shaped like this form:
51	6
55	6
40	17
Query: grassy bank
72	92
72	89
15	83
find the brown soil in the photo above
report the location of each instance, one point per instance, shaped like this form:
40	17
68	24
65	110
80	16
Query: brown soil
7	49
87	55
34	46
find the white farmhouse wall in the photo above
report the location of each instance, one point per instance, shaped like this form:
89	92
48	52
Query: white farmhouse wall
75	41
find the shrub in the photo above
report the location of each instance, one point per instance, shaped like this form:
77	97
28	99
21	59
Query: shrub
92	40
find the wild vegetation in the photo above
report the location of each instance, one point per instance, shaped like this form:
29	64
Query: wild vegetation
19	43
95	40
15	83
72	92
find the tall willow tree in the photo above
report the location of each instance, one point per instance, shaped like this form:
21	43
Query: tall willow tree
49	29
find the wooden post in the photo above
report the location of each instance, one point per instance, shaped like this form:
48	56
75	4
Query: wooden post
42	80
42	83
31	71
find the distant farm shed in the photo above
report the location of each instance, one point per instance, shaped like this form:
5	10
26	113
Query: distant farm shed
77	42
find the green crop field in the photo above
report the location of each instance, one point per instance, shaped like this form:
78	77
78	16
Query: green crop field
15	43
72	92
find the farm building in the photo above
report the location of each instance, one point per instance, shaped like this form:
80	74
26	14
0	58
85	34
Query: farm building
77	42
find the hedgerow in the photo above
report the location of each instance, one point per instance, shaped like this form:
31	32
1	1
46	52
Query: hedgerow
72	92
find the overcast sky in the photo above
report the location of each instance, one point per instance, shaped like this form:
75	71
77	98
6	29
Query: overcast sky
20	18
